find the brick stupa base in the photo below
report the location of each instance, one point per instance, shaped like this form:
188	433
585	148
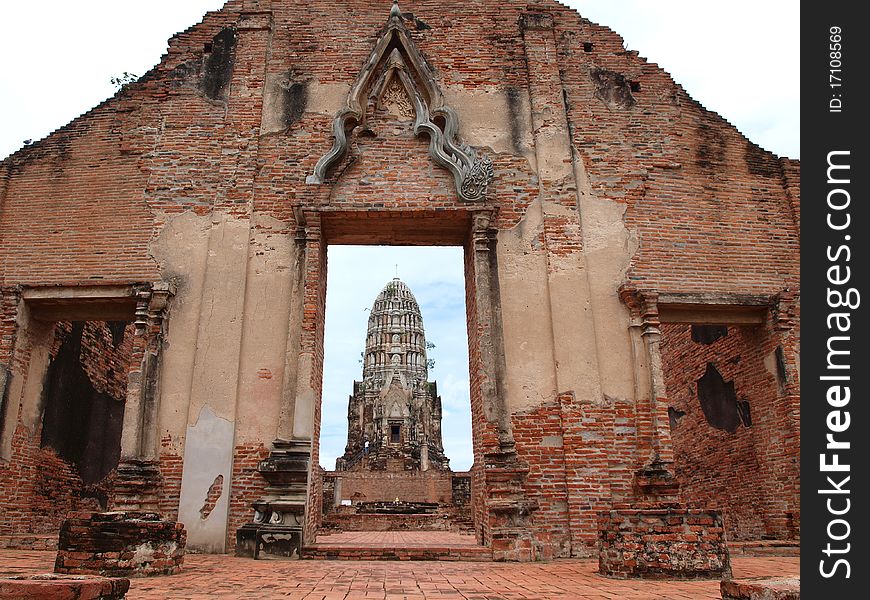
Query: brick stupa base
120	544
662	541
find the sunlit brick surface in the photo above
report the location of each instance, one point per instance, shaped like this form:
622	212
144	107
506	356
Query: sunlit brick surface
208	577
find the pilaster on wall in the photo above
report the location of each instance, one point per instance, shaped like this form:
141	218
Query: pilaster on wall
137	484
503	508
791	183
289	512
487	338
655	447
781	456
245	112
10	300
567	279
309	375
593	399
210	436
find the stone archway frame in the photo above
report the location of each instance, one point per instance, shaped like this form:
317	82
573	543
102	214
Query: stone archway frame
138	480
648	310
502	508
395	57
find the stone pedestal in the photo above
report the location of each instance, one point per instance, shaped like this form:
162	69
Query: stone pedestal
279	517
508	508
136	485
662	540
120	544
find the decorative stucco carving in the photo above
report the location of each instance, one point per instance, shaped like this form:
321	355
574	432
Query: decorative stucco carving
396	100
396	65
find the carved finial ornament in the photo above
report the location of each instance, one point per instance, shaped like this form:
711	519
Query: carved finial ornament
405	66
395	12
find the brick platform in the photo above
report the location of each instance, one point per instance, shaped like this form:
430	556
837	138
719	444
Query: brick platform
119	544
29	541
393	545
366	522
762	589
63	587
764	548
664	541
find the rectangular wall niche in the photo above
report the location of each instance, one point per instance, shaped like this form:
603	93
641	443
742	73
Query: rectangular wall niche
84	393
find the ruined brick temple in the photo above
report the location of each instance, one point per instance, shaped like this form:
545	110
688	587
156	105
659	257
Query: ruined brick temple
394	414
631	272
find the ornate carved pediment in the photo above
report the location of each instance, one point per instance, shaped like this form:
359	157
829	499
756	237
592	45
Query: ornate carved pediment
399	78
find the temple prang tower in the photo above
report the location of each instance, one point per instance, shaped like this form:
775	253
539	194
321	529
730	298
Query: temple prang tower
394	414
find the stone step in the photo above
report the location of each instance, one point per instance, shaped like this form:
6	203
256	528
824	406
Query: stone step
441	553
29	541
765	548
761	589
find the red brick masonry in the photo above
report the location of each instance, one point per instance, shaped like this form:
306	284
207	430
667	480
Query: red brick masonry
762	589
59	587
119	544
664	541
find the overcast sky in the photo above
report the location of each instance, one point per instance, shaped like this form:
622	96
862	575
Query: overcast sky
740	59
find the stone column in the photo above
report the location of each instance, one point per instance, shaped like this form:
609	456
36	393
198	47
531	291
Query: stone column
507	508
137	483
780	455
655	478
281	516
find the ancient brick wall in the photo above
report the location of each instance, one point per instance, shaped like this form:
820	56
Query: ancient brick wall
730	206
43	479
120	545
349	520
662	542
461	489
247	486
581	458
376	486
171	468
737	450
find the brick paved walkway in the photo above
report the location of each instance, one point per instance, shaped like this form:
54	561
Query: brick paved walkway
210	577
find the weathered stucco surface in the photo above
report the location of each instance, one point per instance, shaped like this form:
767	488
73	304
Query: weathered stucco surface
208	459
